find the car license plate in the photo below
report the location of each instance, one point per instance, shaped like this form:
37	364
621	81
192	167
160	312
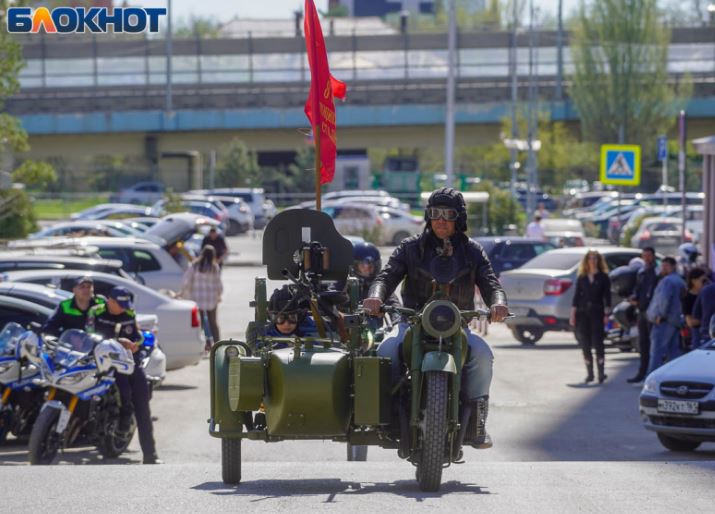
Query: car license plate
667	241
519	311
678	407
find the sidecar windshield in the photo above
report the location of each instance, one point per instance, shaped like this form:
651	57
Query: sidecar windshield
9	337
76	340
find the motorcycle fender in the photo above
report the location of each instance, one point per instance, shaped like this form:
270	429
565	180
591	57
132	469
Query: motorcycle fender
439	361
64	414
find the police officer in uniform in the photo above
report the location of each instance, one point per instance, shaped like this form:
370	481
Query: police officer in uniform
117	320
72	312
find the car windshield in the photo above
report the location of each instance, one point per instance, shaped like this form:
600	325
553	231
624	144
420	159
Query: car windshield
9	336
554	260
76	340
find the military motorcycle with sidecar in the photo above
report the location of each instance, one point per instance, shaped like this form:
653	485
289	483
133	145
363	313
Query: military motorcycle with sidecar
334	386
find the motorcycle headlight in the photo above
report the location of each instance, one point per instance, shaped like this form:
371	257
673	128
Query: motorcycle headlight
441	318
72	379
231	351
650	385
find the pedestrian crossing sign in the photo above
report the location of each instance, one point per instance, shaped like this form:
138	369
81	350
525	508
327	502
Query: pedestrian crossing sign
621	165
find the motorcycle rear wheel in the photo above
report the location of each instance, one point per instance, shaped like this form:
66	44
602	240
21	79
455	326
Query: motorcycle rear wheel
429	469
231	461
44	441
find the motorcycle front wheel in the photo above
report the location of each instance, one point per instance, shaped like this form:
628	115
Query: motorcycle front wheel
44	440
114	443
429	469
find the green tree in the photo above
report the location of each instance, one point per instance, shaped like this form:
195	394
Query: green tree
237	166
197	26
620	80
503	211
35	175
17	218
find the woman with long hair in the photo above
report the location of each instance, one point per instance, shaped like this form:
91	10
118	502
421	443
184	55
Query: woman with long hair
202	284
590	309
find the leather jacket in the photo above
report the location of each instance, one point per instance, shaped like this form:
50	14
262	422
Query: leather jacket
411	260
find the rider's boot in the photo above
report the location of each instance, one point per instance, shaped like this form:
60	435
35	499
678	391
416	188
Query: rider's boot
601	372
589	370
477	436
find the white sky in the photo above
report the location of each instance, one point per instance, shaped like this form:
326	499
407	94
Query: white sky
224	10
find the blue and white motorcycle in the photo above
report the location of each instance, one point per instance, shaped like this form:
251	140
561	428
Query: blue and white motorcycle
21	398
82	398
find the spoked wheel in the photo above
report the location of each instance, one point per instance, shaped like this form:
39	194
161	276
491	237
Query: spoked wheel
357	452
231	461
429	469
114	443
45	442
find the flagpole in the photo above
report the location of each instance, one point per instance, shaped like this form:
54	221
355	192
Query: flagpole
316	138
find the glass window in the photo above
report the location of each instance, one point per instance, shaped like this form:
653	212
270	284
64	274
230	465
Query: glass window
143	261
561	261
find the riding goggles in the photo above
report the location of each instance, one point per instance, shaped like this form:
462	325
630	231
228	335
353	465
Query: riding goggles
446	213
282	318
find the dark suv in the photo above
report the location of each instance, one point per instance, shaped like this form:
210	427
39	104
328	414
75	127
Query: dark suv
508	253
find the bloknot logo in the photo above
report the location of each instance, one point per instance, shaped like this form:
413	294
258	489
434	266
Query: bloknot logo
66	20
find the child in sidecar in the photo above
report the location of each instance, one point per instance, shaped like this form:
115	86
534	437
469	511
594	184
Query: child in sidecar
288	318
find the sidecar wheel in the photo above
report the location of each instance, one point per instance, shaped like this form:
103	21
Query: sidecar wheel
44	441
231	461
429	470
357	452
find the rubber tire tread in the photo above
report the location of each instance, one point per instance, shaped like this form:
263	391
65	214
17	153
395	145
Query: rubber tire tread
429	474
41	431
520	336
677	445
231	461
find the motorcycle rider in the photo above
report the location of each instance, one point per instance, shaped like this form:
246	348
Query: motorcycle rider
116	319
444	234
646	280
72	312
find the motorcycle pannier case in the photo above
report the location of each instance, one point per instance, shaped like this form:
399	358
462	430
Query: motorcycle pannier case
372	390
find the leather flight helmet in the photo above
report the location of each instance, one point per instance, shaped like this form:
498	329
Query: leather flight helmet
449	197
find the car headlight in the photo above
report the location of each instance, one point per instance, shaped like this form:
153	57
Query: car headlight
651	385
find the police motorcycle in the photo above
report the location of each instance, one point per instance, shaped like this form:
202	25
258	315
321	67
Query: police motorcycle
82	402
328	388
21	397
153	361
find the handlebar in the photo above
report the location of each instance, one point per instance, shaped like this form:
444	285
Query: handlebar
467	315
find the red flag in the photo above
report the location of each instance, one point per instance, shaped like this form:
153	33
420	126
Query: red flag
319	107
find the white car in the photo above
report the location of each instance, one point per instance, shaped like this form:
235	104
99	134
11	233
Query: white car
145	261
99	228
678	399
240	215
254	198
179	322
109	210
385	225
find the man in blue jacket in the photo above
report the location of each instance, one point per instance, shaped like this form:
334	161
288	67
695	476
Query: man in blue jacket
665	311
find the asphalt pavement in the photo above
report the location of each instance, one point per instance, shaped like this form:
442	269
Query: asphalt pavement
560	446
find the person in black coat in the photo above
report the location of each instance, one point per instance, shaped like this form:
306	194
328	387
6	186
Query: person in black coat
590	309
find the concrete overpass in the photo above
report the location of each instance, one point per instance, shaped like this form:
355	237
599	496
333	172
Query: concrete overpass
90	96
